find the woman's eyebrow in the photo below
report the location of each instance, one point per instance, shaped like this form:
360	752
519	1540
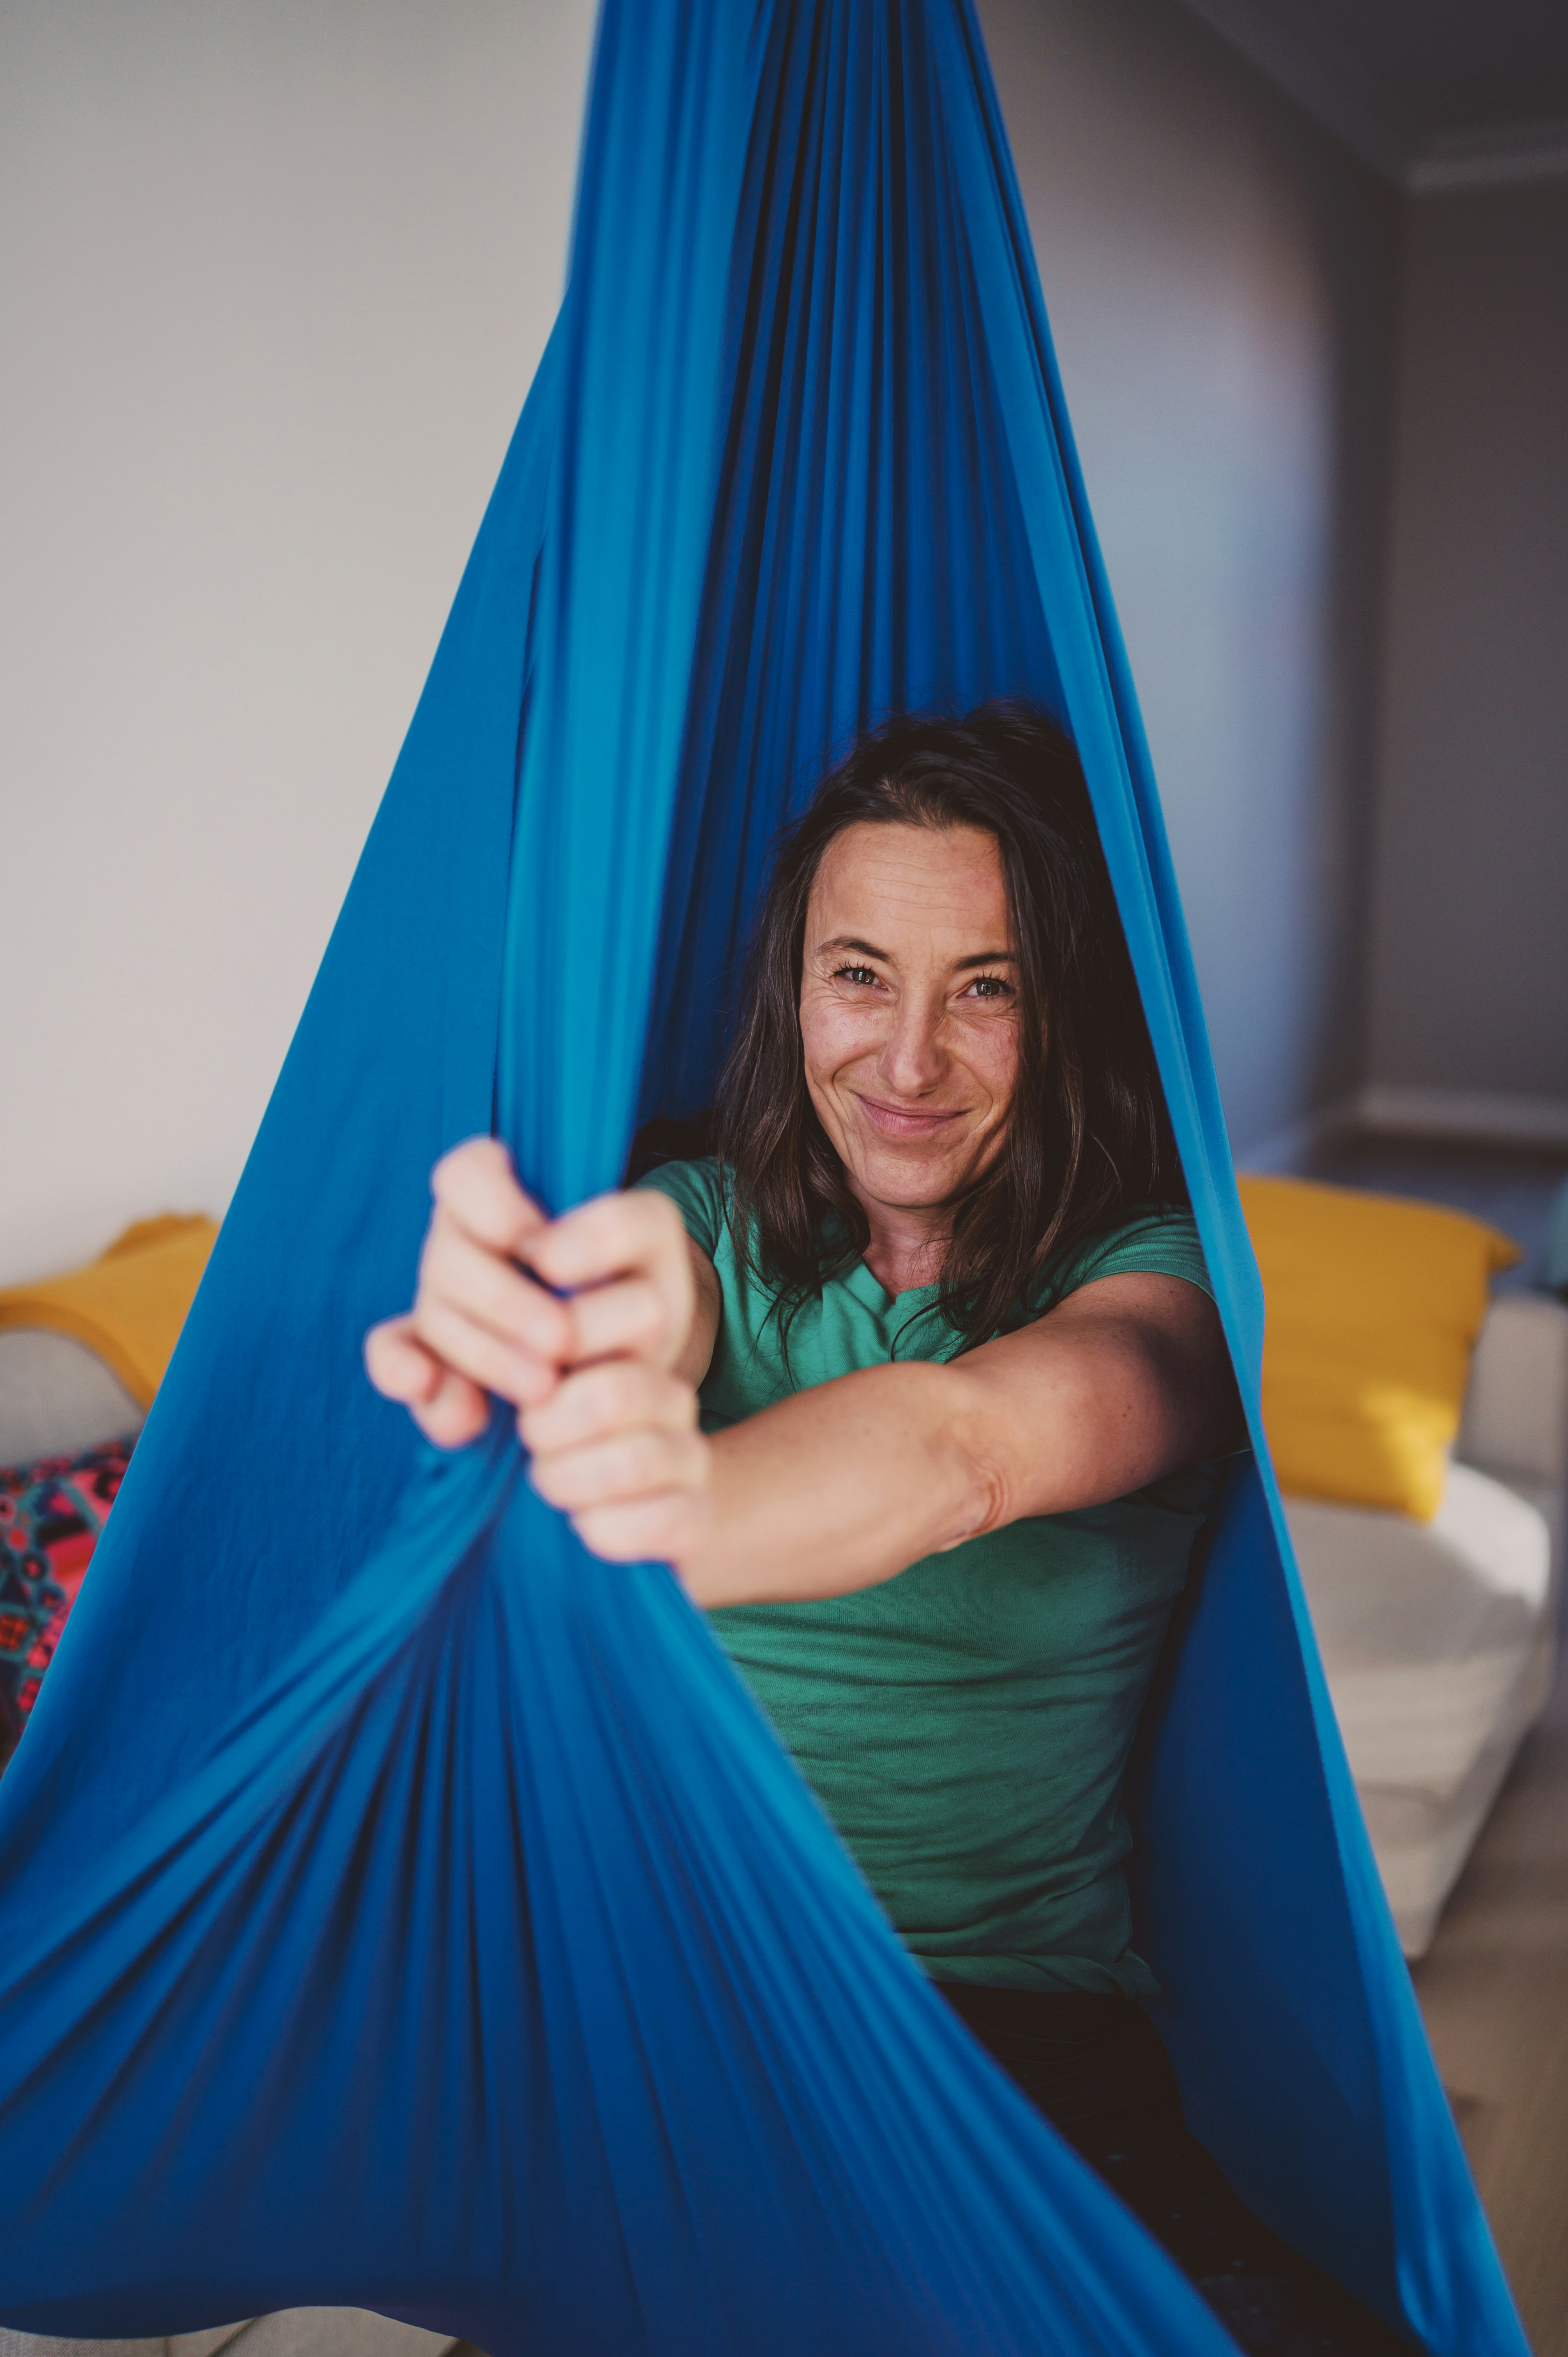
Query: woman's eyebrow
960	966
848	941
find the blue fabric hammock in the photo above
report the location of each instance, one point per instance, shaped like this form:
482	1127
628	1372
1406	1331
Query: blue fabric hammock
401	1908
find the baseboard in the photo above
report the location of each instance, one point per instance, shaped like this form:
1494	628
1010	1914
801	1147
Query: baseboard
1396	1109
1284	1150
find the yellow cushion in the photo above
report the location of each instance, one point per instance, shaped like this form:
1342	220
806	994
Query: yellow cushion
1373	1305
130	1304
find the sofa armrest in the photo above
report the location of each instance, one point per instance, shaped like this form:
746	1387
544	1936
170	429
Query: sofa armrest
1516	1413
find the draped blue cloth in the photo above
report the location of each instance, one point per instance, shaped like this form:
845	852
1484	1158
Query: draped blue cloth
401	1909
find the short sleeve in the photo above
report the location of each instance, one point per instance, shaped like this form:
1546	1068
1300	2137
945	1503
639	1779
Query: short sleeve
1151	1242
693	1188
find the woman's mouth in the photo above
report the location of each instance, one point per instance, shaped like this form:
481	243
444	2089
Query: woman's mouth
904	1121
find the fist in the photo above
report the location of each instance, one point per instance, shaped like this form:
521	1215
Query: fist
579	1323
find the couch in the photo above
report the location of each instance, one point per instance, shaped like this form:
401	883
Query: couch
1439	1638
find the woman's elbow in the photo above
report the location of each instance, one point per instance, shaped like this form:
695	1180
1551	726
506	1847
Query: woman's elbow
982	1483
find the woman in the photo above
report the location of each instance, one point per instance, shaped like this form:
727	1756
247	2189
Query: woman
918	1384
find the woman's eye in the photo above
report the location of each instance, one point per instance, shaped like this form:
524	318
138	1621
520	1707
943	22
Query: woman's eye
990	985
855	974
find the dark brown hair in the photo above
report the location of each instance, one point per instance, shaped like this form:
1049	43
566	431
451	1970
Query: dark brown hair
1088	1133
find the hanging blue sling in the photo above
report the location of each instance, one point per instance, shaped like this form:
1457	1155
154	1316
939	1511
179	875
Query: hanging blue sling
400	1908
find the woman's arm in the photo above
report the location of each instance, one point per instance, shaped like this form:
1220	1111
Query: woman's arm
1128	1381
847	1484
837	1488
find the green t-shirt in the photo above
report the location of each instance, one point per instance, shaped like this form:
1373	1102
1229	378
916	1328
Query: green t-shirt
966	1725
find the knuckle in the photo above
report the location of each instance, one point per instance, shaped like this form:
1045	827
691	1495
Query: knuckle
441	1257
544	1475
494	1286
545	1323
585	1406
603	1536
457	1166
647	1310
663	1220
633	1462
624	1390
473	1187
461	1347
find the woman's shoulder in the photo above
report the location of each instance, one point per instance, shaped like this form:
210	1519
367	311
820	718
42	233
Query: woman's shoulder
697	1191
1141	1240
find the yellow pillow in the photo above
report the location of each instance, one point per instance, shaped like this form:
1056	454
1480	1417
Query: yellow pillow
129	1304
1373	1305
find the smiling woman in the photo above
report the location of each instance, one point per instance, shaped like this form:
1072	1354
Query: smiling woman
918	1384
993	1030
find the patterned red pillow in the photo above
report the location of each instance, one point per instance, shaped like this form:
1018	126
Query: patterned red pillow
50	1515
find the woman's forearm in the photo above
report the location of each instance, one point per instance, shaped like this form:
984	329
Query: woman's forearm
848	1483
837	1488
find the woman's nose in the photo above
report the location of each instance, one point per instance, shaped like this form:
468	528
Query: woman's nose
913	1059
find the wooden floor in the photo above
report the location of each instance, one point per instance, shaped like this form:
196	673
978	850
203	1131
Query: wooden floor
1493	1986
1494	1989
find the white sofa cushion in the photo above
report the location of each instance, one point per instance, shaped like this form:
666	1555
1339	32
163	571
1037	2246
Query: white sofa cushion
1425	1626
1436	1642
56	1396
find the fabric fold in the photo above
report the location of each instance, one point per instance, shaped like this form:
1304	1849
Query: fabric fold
457	1940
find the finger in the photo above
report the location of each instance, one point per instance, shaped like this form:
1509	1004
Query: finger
612	1398
447	1408
627	1465
654	1530
476	1186
489	1290
633	1229
514	1373
457	1412
629	1318
398	1364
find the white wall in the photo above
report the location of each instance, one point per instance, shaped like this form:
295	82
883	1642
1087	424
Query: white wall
276	274
1470	967
1220	277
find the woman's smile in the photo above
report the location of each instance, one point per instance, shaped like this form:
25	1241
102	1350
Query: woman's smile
905	1121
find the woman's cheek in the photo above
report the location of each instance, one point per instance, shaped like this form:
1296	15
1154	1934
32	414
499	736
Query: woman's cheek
834	1036
993	1058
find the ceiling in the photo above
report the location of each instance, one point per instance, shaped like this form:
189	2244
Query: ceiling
1435	93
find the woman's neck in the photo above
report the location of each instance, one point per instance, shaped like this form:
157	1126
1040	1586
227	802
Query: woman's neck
908	1243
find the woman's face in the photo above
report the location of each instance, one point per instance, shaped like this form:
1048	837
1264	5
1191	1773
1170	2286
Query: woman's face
909	1008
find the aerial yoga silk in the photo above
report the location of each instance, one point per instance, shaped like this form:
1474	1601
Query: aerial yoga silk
403	1909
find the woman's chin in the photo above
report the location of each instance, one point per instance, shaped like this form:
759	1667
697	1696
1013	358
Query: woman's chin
907	1176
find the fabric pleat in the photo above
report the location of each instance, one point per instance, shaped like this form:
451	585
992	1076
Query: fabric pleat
401	1909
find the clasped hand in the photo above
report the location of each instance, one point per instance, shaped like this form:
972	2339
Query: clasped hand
579	1323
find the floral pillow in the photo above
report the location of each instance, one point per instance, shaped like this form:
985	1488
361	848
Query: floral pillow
50	1515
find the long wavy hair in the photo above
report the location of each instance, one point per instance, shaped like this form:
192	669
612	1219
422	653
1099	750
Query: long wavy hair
1088	1133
